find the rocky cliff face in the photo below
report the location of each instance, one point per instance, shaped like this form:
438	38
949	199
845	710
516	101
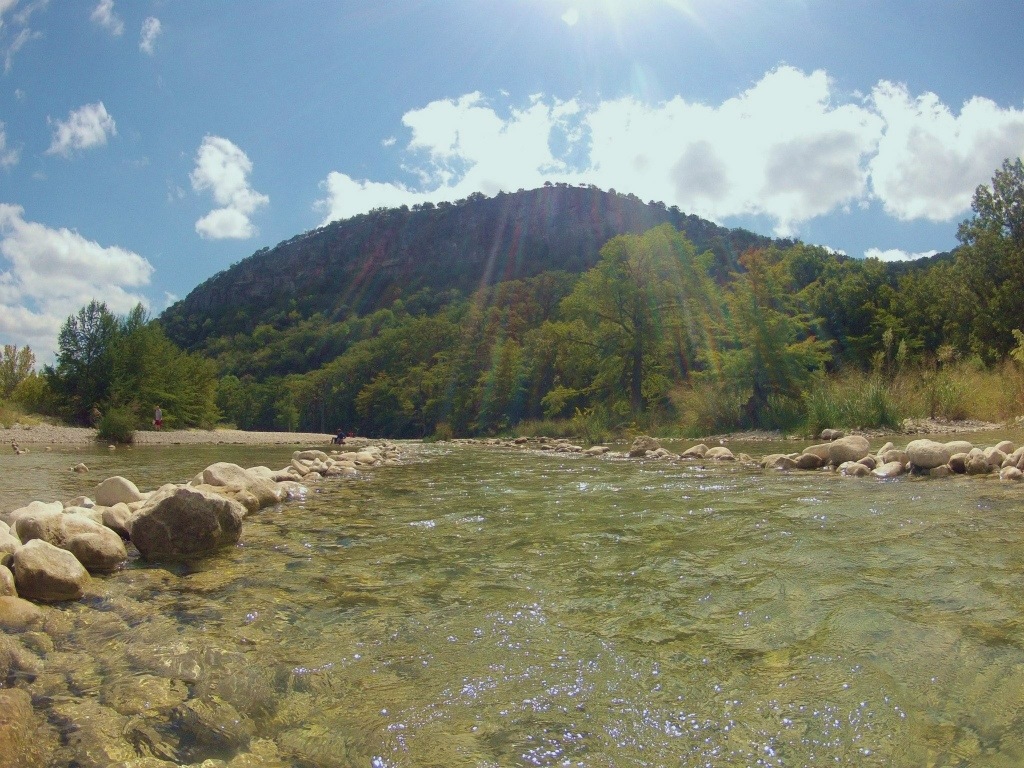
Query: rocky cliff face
364	263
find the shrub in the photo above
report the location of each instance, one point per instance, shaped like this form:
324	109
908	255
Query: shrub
852	401
442	431
117	425
704	408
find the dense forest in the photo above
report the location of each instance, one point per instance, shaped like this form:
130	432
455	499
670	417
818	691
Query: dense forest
572	306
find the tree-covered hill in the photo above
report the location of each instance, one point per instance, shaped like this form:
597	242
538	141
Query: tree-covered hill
363	264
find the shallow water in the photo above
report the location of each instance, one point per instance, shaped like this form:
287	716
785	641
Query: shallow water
496	608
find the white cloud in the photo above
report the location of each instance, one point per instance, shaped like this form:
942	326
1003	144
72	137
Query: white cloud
789	148
895	254
930	160
571	17
86	127
5	6
52	273
19	20
151	29
8	157
103	15
23	36
223	168
390	141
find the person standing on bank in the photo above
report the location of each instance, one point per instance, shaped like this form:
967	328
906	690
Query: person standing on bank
158	418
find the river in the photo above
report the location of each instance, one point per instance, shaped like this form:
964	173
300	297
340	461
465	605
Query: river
485	607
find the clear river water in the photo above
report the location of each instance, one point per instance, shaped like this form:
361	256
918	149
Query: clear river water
485	607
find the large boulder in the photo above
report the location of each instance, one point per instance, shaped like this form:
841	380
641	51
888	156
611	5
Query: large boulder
928	454
226	474
48	573
116	490
642	444
694	452
849	448
181	522
959	446
33	508
100	550
97	547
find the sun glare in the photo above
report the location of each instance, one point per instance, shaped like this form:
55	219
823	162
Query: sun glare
620	10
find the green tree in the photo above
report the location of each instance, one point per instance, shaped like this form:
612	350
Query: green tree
768	353
84	361
16	365
129	363
638	317
989	269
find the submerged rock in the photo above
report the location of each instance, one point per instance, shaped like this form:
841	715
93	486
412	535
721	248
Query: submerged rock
17	615
22	742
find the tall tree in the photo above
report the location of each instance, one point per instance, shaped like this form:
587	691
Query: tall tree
16	365
768	349
638	316
84	360
990	265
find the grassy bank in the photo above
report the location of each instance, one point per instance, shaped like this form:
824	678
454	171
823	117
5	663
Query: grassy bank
848	400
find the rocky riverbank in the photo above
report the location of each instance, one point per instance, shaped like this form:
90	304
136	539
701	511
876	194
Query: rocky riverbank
56	436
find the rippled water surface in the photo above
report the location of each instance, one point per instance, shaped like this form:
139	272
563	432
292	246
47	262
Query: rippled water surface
493	608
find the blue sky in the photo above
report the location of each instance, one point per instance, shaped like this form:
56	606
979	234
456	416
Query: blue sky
146	145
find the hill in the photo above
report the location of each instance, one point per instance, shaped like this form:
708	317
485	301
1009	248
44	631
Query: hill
362	264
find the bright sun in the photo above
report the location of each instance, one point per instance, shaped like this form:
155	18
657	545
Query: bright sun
619	12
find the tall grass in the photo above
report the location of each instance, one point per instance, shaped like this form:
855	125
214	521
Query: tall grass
853	401
12	413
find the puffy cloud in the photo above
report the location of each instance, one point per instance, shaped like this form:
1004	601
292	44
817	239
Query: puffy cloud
463	146
52	273
930	160
788	148
103	15
86	127
151	30
8	157
895	254
223	168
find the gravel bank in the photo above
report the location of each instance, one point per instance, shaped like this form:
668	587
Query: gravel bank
49	434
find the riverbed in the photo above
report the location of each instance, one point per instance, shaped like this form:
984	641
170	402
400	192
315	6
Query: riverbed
493	607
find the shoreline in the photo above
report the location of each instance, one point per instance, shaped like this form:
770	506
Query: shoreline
58	436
